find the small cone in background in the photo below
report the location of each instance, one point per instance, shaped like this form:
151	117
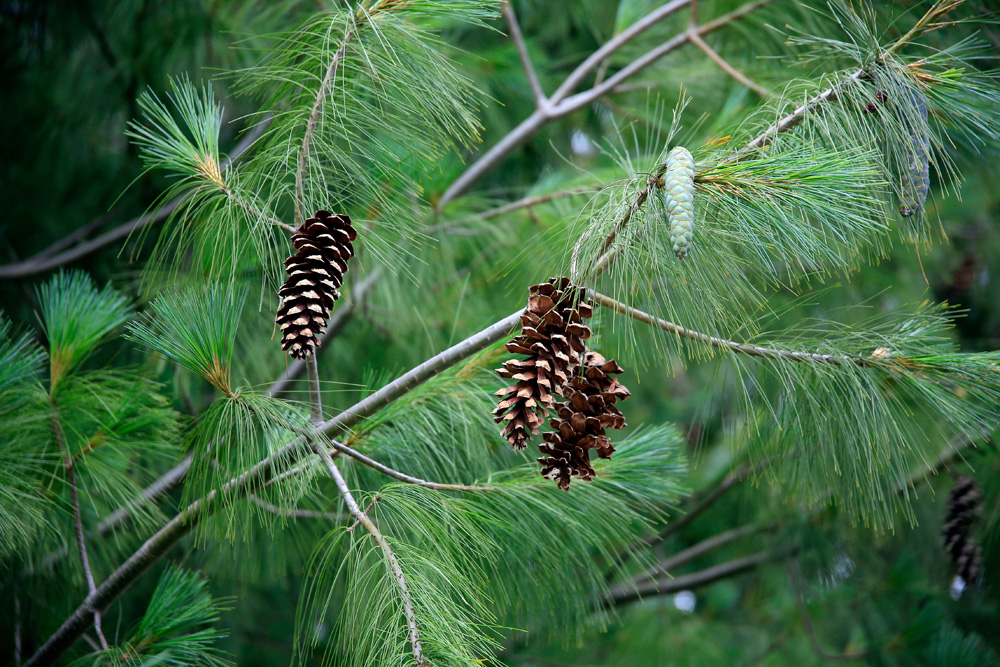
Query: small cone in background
315	272
552	335
963	510
589	409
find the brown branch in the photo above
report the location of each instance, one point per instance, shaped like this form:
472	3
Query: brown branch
48	259
625	593
561	104
725	66
522	51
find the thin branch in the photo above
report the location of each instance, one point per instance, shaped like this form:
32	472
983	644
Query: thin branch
81	543
401	476
725	66
413	634
793	581
700	549
560	104
722	343
624	593
47	260
303	163
295	513
257	476
522	51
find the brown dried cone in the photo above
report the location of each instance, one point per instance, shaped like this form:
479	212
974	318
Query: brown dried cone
552	335
589	410
315	271
963	509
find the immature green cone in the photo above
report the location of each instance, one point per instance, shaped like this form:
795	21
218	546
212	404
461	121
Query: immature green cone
552	335
315	271
916	178
589	409
963	509
679	185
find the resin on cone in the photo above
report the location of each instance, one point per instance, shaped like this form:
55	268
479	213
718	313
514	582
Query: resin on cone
315	274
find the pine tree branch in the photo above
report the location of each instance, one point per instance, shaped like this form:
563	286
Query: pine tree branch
561	105
714	56
541	102
257	476
625	593
401	476
413	633
664	566
723	344
295	513
48	259
81	543
302	172
316	412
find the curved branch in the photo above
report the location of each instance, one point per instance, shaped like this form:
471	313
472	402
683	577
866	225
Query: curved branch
402	476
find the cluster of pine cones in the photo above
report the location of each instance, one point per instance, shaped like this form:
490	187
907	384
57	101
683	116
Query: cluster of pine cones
558	364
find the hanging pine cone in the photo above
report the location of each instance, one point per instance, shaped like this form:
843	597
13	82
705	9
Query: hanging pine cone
315	271
552	335
963	509
589	409
679	193
916	177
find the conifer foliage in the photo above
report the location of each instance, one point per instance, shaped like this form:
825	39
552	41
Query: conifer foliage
315	272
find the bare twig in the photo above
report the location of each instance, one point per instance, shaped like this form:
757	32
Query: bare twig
257	476
303	163
522	51
722	343
628	592
81	543
561	103
413	632
725	66
295	513
47	259
368	509
401	476
700	549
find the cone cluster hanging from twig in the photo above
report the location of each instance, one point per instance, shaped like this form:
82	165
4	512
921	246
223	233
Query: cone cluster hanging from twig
582	420
963	509
559	365
315	272
552	335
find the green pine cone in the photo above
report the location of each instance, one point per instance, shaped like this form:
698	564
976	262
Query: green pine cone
679	182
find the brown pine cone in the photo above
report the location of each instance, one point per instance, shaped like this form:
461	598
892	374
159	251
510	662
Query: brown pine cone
552	335
963	509
315	271
589	410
